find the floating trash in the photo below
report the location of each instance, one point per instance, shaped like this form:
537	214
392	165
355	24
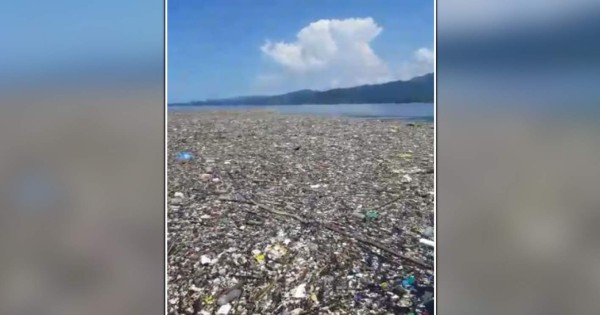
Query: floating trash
408	282
427	242
209	300
185	156
314	298
229	296
372	215
224	310
299	292
276	251
294	249
259	258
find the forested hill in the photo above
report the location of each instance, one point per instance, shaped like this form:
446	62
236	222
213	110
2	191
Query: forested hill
417	90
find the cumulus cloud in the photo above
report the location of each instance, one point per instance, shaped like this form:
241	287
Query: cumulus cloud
330	53
334	53
420	64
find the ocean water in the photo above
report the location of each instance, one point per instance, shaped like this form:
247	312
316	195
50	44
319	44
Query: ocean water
418	112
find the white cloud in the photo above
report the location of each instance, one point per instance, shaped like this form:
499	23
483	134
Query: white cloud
330	53
334	53
421	63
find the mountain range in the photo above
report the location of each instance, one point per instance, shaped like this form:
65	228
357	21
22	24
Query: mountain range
416	90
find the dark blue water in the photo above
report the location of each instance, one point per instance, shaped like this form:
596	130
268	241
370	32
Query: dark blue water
421	112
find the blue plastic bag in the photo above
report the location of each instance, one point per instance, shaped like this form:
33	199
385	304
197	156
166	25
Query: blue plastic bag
184	156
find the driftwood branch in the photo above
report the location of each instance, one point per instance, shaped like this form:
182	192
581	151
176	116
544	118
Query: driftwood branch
387	203
334	229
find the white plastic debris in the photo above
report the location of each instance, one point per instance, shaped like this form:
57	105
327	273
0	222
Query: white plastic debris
407	178
179	195
427	242
224	310
275	251
205	260
428	231
299	292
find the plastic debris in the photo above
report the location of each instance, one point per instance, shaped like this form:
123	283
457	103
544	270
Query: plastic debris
406	156
259	258
276	251
209	300
264	227
299	292
428	232
408	282
405	301
314	298
372	215
229	296
185	156
205	260
224	310
427	242
427	296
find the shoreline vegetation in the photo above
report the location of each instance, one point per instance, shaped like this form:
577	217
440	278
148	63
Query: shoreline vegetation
287	214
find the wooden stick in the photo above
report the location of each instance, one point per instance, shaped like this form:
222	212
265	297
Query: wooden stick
335	229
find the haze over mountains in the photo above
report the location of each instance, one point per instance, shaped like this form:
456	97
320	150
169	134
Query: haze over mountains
416	90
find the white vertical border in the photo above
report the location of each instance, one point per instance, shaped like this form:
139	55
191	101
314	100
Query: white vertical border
166	111
435	296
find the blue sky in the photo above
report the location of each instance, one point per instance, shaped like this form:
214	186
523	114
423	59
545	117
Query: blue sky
229	48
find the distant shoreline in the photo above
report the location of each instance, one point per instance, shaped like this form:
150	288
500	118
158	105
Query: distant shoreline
414	112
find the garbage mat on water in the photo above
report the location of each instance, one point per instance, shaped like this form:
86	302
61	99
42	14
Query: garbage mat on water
291	248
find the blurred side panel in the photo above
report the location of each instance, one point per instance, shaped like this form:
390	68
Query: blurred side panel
518	155
82	159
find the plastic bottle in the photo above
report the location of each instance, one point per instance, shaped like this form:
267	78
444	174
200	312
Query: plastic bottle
229	296
427	242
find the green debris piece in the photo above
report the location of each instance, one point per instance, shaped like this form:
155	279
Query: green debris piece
209	300
372	215
410	280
